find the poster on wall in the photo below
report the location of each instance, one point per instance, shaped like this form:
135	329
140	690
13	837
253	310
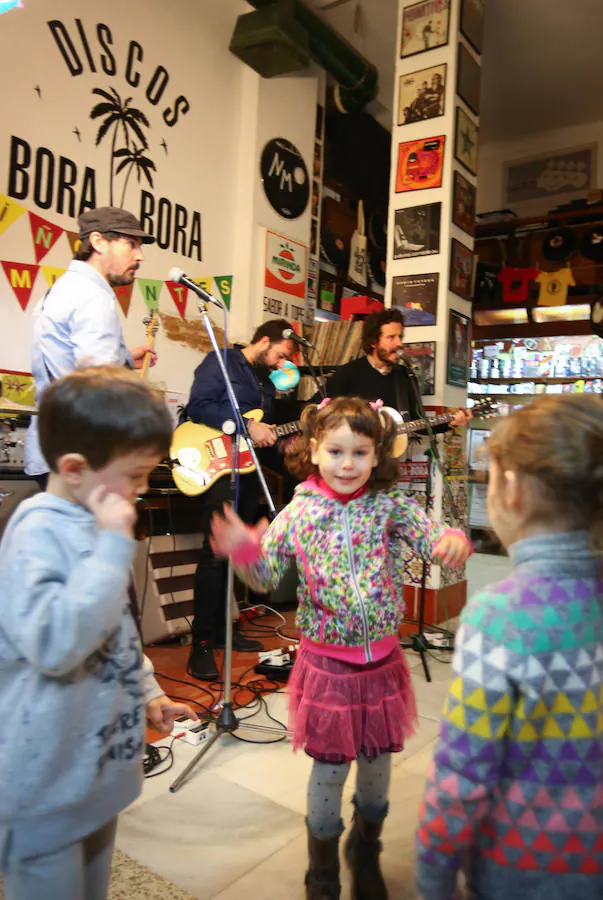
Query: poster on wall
468	79
417	297
463	204
285	280
558	172
425	25
420	164
422	359
461	270
421	95
285	178
457	363
472	22
417	231
465	142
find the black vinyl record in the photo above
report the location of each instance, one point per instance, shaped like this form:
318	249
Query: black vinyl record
559	245
377	265
334	249
591	244
377	229
285	178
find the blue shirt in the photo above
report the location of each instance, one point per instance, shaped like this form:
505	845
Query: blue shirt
75	324
209	403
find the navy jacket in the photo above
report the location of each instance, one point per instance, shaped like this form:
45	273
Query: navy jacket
208	402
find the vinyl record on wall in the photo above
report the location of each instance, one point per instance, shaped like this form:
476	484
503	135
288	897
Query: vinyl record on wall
377	265
377	229
334	249
285	178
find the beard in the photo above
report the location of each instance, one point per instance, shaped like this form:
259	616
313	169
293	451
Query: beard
127	277
260	365
384	355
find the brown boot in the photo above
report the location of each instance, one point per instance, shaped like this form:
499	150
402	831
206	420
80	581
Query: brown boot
322	877
362	850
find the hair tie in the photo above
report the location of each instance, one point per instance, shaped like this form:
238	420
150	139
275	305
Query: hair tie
376	405
324	402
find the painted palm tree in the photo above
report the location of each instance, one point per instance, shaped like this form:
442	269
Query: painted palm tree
119	116
133	157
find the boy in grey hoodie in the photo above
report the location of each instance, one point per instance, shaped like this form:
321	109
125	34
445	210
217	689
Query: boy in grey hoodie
73	680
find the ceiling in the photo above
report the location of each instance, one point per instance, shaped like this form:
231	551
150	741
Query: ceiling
542	65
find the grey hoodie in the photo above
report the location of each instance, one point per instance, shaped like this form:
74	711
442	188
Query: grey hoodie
72	688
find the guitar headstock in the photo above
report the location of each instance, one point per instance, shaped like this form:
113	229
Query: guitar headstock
151	324
485	409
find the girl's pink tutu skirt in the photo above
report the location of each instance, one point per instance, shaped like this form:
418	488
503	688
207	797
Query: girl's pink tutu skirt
338	710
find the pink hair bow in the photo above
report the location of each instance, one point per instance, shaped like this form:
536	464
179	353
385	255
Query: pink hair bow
376	405
324	402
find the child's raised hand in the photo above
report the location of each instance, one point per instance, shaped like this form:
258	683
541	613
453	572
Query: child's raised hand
453	549
112	512
229	533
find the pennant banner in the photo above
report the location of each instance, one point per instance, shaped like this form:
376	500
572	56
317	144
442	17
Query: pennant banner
150	290
51	273
205	283
21	277
179	295
44	234
9	212
74	241
224	285
123	292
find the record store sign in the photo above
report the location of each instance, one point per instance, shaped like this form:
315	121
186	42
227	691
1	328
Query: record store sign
285	178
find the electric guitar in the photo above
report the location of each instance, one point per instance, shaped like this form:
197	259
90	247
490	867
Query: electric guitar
151	324
200	454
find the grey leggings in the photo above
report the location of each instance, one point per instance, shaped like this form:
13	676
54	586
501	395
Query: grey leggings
79	871
325	790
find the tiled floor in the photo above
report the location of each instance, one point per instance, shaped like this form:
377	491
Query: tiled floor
236	828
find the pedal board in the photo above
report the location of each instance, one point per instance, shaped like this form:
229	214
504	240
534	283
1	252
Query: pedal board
191	731
274	673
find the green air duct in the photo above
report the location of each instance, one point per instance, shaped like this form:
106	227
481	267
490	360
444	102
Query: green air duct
282	36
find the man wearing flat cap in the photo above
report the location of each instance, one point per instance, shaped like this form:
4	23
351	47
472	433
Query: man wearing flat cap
76	322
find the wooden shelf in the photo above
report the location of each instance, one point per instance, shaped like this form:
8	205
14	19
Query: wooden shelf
540	379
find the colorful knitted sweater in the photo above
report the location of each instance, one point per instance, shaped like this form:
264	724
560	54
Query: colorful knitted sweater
350	590
515	792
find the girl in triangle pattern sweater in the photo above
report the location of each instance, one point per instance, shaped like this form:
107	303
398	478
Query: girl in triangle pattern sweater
350	694
515	792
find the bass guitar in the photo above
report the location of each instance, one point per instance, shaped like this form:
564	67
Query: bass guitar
200	454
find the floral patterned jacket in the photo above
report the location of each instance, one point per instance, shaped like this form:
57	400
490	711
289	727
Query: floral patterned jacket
349	558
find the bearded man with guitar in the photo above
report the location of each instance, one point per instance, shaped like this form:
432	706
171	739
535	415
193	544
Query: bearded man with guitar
77	322
379	375
249	369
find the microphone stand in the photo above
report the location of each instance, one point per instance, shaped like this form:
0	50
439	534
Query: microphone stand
319	382
418	641
227	722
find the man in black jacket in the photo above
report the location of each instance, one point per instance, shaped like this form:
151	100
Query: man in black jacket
377	375
249	369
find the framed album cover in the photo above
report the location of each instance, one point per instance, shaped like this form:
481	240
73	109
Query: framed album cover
421	95
420	164
468	79
417	231
422	357
465	141
416	296
461	270
425	25
457	363
463	203
472	22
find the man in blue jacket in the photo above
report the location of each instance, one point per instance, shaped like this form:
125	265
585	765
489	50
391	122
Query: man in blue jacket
249	369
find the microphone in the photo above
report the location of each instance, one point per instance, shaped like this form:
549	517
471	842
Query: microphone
176	274
401	359
290	335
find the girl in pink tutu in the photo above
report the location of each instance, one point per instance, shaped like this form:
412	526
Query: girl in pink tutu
350	692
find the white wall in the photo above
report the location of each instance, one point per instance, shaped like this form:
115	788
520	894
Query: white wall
492	159
212	160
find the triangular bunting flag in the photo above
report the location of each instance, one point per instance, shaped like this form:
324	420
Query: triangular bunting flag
74	241
21	277
205	283
150	290
123	292
51	273
44	234
224	285
179	295
9	212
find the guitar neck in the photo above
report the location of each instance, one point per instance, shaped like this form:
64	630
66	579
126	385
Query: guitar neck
287	429
419	424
